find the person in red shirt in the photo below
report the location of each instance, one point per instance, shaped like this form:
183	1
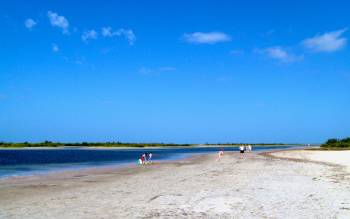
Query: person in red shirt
143	158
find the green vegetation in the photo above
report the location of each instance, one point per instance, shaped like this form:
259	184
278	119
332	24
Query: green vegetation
116	144
337	144
237	144
87	144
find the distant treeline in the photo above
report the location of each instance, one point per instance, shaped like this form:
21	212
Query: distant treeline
337	143
87	144
263	144
116	144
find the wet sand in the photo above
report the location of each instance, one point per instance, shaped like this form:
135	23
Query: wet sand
258	186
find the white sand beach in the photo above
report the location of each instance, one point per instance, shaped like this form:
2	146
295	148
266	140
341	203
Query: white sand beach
258	186
332	157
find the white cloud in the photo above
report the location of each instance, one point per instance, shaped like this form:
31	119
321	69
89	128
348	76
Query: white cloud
278	53
206	38
145	71
89	35
55	47
58	21
107	32
29	23
327	42
127	33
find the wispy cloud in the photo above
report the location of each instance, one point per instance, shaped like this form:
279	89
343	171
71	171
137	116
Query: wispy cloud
55	47
145	71
327	42
166	68
29	23
278	53
149	71
206	38
236	52
79	62
107	32
58	21
89	35
127	33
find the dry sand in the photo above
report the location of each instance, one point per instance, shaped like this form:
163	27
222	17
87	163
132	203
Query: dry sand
257	186
341	158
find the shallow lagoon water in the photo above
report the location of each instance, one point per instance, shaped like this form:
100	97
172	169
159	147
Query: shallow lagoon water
19	162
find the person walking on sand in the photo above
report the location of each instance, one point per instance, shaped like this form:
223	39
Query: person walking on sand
221	153
143	158
249	148
241	151
146	157
150	157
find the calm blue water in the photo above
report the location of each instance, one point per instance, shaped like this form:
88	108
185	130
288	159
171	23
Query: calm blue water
16	162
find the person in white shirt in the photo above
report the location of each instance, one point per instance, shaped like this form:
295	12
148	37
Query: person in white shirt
150	157
249	148
241	151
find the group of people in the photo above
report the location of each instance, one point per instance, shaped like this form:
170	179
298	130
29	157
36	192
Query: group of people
145	158
242	149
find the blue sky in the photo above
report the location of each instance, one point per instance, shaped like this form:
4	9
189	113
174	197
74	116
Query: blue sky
174	71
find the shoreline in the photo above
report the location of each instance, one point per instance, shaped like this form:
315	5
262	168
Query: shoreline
93	169
94	172
148	147
71	167
105	168
256	186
